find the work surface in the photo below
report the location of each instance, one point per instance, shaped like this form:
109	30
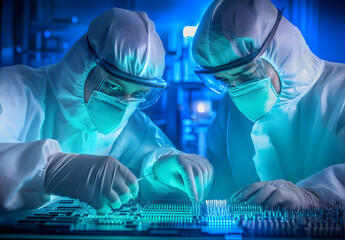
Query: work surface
70	219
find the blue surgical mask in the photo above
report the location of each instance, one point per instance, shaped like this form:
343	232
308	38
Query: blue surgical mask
107	113
254	99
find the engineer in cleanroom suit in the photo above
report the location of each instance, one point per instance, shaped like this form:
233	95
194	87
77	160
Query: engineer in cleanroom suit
280	128
73	128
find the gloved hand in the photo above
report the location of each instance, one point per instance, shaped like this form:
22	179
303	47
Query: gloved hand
276	193
101	181
188	172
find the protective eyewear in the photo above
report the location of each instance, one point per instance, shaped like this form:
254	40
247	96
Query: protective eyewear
243	70
129	89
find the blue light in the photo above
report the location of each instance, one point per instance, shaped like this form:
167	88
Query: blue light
74	19
189	31
65	45
47	34
18	49
201	107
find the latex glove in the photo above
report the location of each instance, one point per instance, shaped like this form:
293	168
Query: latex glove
276	193
101	181
190	173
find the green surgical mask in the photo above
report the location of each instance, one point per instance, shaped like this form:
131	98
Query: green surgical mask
107	113
254	99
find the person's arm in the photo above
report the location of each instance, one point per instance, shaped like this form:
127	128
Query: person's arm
22	173
154	145
171	173
322	188
328	185
101	181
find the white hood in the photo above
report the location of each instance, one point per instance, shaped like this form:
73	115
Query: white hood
126	39
233	29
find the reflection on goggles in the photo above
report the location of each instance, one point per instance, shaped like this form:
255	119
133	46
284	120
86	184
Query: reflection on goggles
241	75
128	91
229	78
124	91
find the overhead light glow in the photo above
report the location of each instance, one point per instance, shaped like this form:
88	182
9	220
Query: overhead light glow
201	107
189	31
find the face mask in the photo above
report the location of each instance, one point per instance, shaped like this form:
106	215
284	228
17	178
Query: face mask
107	113
254	99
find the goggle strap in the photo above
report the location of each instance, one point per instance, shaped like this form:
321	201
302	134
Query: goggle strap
117	73
248	59
270	35
107	67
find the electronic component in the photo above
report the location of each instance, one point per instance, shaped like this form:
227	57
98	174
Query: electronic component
210	218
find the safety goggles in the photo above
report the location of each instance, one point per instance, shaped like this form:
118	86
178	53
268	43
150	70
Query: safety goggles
126	88
241	71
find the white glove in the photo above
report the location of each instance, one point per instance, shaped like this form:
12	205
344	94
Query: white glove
190	173
101	181
276	193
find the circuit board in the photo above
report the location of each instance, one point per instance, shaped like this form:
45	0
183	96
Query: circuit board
180	218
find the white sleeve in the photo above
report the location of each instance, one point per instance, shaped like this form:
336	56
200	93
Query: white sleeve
152	188
152	145
328	185
22	172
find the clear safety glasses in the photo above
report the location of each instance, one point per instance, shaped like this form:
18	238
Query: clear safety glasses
244	70
236	77
137	91
126	91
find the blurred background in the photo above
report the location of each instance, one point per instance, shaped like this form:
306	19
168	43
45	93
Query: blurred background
40	32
